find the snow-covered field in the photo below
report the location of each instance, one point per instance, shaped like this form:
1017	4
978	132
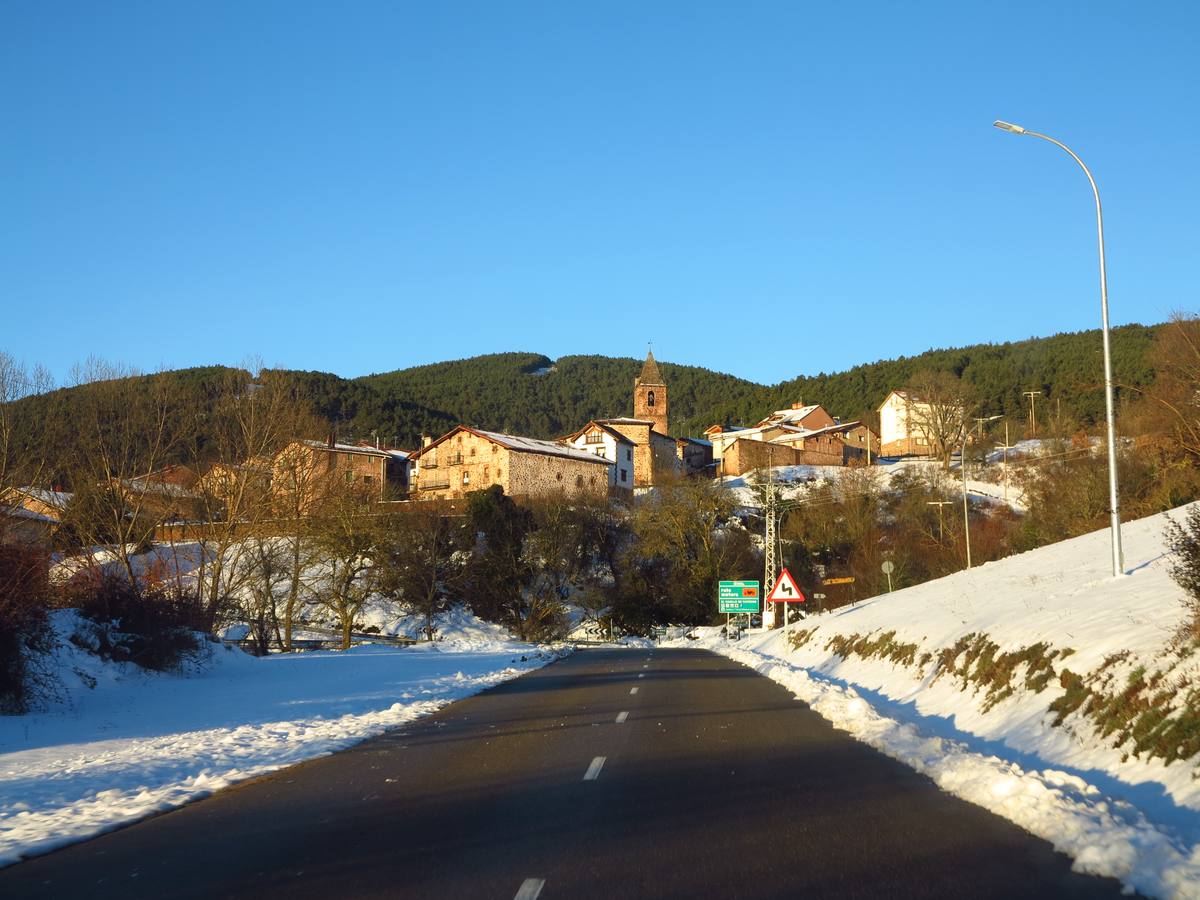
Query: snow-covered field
795	482
1135	818
137	743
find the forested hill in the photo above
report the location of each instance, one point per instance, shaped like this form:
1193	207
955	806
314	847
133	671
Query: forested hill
530	394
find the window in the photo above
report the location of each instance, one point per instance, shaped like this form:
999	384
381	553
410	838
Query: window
499	475
578	481
472	451
466	477
629	454
368	479
594	437
600	453
485	472
558	476
650	398
624	475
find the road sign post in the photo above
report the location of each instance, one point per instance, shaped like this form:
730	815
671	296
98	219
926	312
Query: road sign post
888	567
738	596
785	592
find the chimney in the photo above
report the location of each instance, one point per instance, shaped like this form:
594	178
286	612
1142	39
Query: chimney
426	440
799	405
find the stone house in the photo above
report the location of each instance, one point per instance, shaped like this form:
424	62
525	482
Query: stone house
466	459
305	473
47	503
825	446
796	420
25	528
695	455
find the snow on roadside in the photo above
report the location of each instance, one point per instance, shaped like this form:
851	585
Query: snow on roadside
1104	836
138	743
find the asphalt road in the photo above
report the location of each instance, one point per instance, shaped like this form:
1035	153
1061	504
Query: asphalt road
715	783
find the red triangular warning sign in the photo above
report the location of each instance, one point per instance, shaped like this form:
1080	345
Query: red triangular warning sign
785	590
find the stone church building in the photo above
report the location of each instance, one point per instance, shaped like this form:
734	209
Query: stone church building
644	439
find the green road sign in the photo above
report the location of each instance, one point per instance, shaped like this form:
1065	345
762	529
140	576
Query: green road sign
738	596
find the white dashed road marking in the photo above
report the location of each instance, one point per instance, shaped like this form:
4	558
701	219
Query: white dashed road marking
641	674
593	771
530	888
633	690
621	717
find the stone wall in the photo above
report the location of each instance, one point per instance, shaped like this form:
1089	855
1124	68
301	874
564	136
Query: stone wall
745	455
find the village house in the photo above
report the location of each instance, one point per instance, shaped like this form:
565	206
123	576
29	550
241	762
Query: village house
169	494
796	420
306	473
466	459
47	503
606	442
829	446
901	431
25	528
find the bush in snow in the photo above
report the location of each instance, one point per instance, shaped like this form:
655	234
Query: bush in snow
1184	542
24	629
154	627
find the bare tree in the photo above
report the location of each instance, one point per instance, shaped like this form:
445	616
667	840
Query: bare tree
254	415
22	441
128	427
417	560
940	407
345	539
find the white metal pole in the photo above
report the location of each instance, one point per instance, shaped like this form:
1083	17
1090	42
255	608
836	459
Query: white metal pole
962	464
1006	460
1118	556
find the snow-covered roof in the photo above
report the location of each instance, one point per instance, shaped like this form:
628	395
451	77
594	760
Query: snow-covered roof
536	445
814	432
20	512
700	441
57	499
350	448
625	420
603	426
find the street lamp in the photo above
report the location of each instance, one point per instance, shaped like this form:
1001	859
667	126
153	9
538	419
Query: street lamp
1118	561
962	464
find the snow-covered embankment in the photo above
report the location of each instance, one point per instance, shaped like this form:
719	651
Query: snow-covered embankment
1010	685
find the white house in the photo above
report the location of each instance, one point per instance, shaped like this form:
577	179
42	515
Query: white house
900	431
604	441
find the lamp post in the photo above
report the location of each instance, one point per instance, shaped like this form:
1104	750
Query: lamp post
1118	561
962	464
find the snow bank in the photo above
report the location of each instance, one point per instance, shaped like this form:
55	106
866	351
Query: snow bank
1137	819
124	744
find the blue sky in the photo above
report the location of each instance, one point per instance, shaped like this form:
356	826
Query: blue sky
767	189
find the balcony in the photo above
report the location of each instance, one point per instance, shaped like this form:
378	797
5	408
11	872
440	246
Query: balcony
424	484
454	459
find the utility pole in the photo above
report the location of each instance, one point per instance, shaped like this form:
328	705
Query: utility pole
770	545
939	504
1032	412
1006	447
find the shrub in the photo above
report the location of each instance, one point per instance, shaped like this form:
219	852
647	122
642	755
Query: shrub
155	628
24	627
1184	543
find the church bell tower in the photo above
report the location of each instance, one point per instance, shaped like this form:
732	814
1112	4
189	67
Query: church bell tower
650	395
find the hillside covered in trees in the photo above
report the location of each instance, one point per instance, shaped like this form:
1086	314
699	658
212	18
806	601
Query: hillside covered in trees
528	393
531	394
